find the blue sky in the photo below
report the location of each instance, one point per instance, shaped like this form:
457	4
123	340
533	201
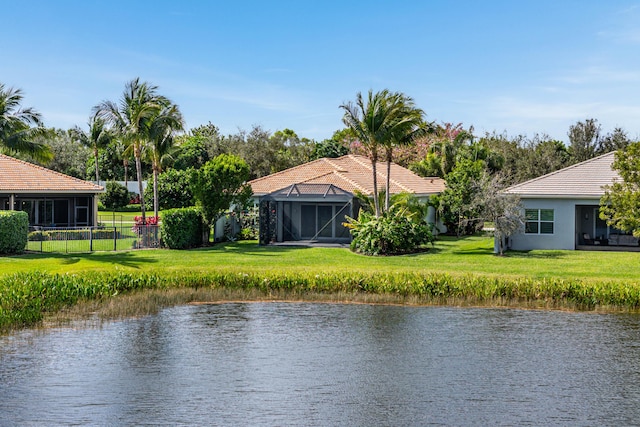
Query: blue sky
523	67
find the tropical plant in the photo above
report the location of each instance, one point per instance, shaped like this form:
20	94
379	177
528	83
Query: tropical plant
408	126
162	129
380	121
99	136
16	131
132	119
396	231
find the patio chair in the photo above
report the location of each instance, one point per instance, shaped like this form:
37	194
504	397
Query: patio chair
589	241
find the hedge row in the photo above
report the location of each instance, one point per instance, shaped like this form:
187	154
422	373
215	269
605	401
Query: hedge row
25	297
38	236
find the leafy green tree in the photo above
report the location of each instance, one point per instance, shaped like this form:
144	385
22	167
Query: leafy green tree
67	155
376	122
620	204
527	158
220	183
455	203
191	153
617	140
98	137
291	150
584	138
216	143
115	196
174	190
16	132
131	118
329	148
336	146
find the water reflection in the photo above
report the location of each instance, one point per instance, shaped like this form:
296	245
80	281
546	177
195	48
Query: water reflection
322	364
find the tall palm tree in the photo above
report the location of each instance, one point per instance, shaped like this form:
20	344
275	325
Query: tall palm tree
16	131
99	136
132	119
376	123
406	126
162	131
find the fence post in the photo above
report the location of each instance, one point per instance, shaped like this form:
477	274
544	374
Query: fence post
115	237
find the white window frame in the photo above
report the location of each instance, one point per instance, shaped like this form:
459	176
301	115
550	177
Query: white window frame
539	221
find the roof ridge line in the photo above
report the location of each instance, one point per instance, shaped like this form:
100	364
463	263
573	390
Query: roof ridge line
560	170
287	170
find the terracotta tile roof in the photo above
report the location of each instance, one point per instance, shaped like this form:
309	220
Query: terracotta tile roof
585	179
350	173
17	176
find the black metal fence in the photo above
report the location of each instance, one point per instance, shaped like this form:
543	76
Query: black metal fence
91	239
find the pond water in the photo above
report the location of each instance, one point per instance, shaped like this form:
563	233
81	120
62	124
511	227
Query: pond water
279	364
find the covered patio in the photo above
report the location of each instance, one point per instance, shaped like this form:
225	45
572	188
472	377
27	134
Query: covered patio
593	233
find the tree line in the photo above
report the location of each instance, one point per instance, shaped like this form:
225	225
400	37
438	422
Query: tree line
142	136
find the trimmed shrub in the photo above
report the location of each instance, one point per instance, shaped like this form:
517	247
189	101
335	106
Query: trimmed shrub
37	236
14	230
116	196
181	228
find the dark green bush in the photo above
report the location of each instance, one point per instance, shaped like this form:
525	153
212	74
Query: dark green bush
116	196
181	228
174	190
394	232
14	229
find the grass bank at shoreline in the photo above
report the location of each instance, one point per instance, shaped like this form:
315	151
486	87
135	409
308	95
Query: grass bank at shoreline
454	272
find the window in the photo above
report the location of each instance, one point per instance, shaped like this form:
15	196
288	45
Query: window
538	221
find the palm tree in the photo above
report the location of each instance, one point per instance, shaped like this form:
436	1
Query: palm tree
406	127
16	131
378	123
132	119
162	131
99	136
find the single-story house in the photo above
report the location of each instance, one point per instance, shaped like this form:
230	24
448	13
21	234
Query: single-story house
51	199
562	209
310	201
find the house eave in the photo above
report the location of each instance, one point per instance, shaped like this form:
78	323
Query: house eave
557	196
52	192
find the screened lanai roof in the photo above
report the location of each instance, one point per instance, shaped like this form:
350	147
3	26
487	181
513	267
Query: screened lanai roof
304	191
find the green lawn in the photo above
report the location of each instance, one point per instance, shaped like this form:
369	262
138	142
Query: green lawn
109	217
470	255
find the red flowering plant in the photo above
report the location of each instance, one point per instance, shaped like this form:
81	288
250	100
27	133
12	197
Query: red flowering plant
146	230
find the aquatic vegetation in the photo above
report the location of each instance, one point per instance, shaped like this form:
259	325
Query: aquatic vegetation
26	297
